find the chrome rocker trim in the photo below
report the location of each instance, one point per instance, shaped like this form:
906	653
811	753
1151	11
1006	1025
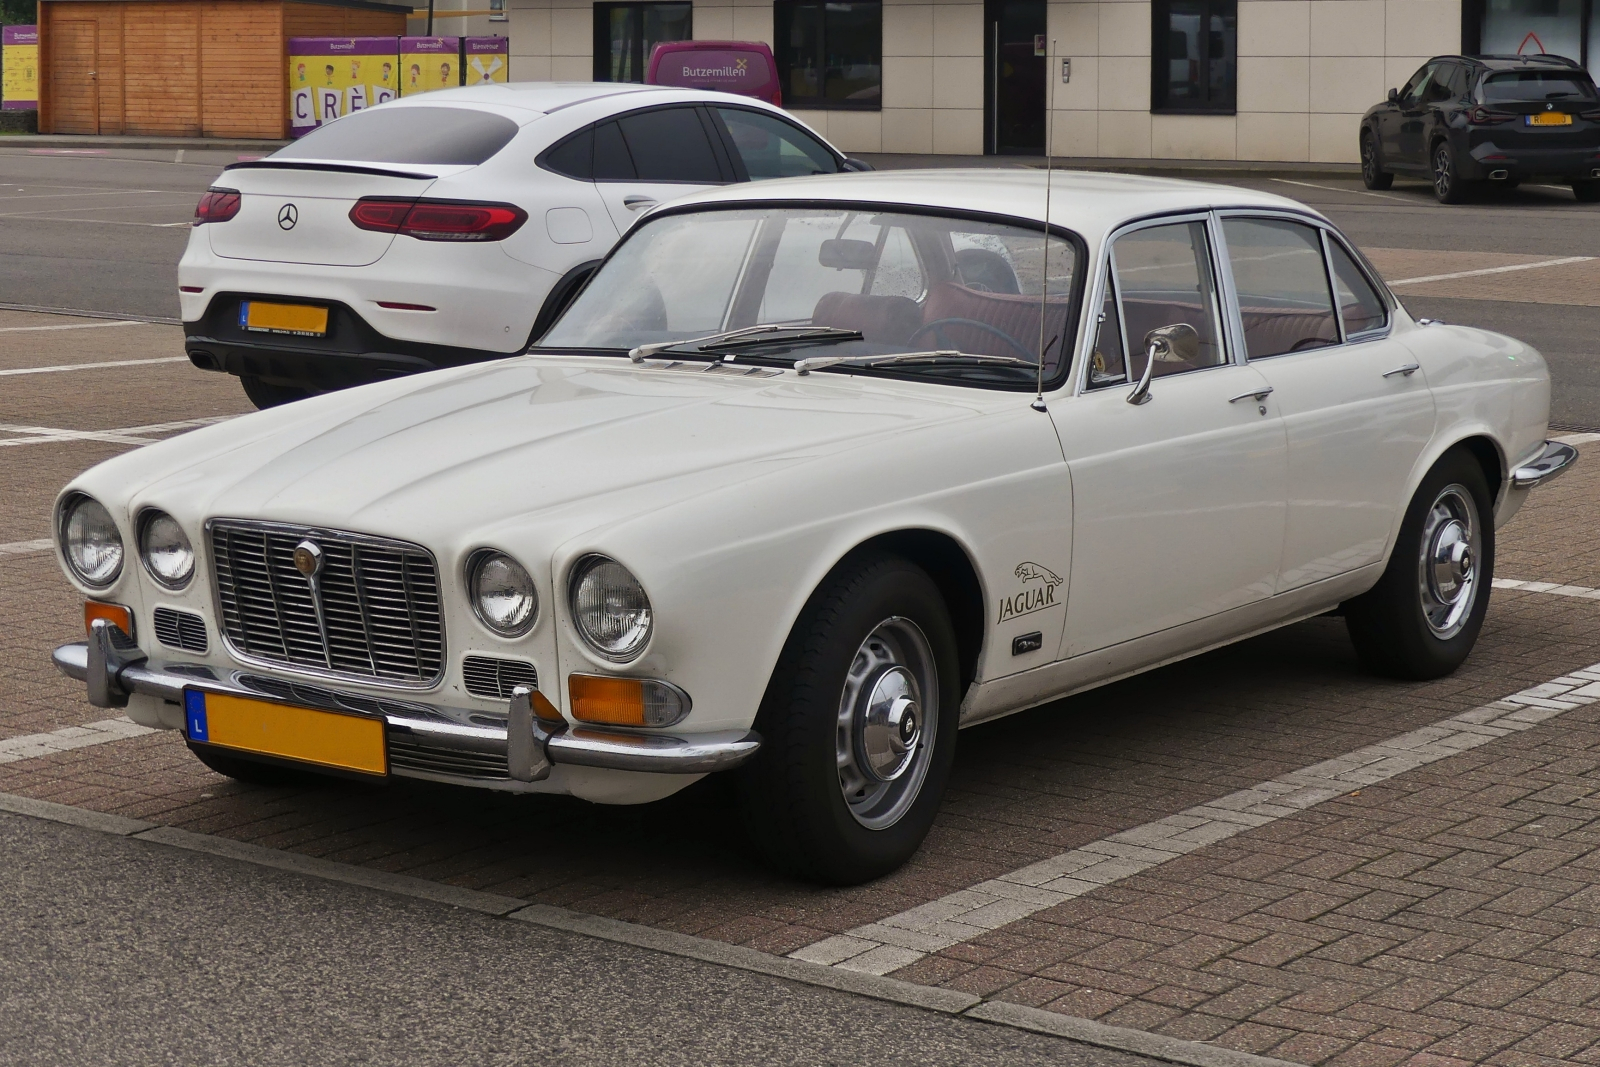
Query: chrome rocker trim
1551	460
114	670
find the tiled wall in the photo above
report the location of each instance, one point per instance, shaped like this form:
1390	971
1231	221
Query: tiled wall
1308	69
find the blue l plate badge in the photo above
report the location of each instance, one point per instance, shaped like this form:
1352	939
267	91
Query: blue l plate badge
194	715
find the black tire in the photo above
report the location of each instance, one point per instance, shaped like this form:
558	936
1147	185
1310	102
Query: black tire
793	795
1448	185
1587	192
1396	625
269	394
246	770
1372	173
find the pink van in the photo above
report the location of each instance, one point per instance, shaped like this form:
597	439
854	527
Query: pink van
743	67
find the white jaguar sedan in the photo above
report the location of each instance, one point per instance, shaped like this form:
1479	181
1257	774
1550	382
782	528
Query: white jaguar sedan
808	477
452	227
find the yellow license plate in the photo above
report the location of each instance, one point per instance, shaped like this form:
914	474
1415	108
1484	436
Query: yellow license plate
326	738
1550	118
303	320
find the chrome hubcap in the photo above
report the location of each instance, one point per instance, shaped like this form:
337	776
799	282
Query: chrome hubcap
1448	569
884	740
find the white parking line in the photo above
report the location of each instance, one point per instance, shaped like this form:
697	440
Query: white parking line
129	435
62	367
1336	189
901	940
1493	270
23	548
71	326
32	746
1553	588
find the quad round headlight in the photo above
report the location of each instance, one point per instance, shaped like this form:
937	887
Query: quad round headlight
503	594
165	549
90	541
610	608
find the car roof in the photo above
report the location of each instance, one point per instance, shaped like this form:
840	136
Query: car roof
1089	202
1497	62
546	97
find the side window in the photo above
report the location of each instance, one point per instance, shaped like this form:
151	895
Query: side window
1164	277
1362	309
1106	364
860	258
1441	85
1413	88
611	159
1282	282
771	148
670	145
1460	81
574	157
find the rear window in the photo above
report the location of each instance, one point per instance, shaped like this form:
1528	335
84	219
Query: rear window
428	135
1522	86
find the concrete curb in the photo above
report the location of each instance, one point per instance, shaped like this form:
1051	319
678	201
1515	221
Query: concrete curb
83	314
928	998
198	144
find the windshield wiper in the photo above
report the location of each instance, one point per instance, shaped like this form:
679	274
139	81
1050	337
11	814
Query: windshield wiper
941	356
745	337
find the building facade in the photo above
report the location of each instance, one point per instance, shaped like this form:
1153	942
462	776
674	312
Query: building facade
1273	80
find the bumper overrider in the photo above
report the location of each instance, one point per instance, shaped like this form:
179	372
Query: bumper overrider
457	745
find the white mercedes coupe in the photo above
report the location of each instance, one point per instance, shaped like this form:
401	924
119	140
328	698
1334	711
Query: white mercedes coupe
811	475
451	227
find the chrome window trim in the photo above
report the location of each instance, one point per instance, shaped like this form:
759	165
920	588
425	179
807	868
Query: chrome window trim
349	536
1330	237
1095	296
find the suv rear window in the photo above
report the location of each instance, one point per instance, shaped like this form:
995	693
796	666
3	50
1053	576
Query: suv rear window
1524	86
428	135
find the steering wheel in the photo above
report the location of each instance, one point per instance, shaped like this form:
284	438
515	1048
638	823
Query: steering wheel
1309	342
937	324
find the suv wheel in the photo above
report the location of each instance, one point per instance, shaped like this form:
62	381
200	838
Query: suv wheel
1587	192
1372	173
1448	187
269	394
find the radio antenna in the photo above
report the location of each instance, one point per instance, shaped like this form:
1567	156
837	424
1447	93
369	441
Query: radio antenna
1044	274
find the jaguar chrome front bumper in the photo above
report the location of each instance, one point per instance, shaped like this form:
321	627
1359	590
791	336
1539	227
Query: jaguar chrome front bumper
1553	458
458	745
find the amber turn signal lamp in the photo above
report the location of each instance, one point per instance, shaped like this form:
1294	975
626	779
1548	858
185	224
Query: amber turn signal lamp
543	709
115	614
626	701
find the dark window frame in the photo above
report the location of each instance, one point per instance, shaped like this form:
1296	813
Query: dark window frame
783	14
1475	12
1160	59
602	34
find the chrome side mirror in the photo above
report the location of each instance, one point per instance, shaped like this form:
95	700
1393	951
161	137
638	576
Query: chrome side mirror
1178	343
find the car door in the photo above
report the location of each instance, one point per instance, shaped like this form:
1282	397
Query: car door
1178	501
1414	107
1356	408
650	156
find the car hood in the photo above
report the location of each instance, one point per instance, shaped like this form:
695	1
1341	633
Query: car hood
583	441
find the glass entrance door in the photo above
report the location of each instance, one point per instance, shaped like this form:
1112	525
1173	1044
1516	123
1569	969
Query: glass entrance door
1014	83
626	34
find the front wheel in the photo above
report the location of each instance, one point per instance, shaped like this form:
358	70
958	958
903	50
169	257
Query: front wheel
1587	192
1373	176
1423	617
860	725
1448	187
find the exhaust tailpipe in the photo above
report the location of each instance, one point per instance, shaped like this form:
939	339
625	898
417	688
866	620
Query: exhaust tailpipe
1499	175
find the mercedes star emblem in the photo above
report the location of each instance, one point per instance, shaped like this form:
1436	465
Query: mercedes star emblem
288	215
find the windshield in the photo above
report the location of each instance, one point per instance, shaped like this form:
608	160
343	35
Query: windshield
904	282
1523	86
436	135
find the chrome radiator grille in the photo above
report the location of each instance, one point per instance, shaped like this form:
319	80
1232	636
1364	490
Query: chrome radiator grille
370	612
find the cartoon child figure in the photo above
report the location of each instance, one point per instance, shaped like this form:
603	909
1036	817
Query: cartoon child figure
355	70
329	72
416	75
300	73
388	72
444	74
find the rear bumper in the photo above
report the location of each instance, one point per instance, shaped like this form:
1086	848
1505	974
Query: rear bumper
1524	161
352	352
424	741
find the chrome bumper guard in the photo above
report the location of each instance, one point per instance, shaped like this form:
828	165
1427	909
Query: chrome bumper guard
1551	460
425	741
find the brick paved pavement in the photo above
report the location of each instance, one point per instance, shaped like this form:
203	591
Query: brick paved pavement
1444	914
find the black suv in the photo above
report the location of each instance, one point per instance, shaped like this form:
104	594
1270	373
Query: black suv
1465	120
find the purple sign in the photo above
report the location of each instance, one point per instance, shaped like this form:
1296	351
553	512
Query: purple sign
487	46
334	76
19	35
744	67
484	60
343	46
430	45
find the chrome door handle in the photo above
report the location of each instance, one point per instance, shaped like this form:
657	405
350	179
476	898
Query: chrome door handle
1408	370
1256	395
636	202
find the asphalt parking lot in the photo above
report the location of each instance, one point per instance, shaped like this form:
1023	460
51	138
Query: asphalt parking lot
1431	905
